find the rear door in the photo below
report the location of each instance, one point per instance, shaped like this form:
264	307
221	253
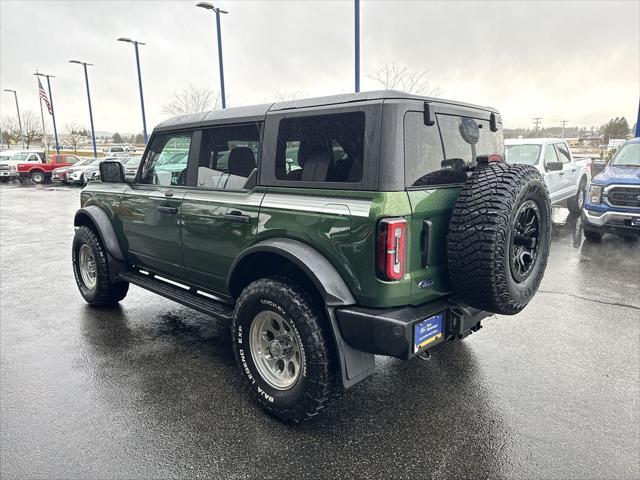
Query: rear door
151	207
220	208
435	161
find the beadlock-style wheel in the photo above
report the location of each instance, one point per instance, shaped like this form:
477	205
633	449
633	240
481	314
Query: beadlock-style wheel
87	264
275	350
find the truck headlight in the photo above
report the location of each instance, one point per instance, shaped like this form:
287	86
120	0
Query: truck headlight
595	194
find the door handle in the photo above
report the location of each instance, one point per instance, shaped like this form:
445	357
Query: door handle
561	173
573	169
168	194
236	216
169	210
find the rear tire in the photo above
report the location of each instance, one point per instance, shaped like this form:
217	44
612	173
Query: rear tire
91	271
499	237
284	353
38	178
576	204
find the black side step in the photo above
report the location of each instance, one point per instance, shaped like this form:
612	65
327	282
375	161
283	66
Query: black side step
189	298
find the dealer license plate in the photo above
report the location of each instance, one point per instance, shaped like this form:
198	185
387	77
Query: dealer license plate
428	332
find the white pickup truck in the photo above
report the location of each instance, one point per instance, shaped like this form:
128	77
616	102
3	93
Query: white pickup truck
567	178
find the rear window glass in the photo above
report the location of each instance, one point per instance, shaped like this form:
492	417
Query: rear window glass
430	161
323	148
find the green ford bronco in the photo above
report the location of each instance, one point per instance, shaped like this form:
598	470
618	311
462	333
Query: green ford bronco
327	231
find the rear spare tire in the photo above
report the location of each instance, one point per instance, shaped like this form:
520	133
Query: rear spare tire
499	236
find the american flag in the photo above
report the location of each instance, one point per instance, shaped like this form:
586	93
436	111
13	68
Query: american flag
43	96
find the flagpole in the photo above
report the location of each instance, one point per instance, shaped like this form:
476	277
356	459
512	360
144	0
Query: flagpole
44	135
53	115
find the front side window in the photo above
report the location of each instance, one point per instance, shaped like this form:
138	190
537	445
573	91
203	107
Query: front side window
550	155
322	148
563	153
166	161
228	158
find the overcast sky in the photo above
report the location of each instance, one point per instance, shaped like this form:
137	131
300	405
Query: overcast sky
578	61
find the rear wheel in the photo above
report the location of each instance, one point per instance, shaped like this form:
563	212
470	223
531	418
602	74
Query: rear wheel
283	351
499	237
38	177
91	270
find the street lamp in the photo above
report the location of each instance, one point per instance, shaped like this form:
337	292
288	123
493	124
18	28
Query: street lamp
53	112
86	79
144	120
15	94
209	6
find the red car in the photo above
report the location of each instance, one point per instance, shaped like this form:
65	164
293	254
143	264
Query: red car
41	172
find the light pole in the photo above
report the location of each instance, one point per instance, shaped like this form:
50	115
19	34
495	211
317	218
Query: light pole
144	120
357	43
209	6
15	94
86	79
53	112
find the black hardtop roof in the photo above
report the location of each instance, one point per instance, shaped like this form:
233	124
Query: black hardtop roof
257	112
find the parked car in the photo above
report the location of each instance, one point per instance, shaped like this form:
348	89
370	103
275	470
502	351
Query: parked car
60	174
566	178
613	202
115	151
9	160
41	172
131	166
129	148
80	174
400	227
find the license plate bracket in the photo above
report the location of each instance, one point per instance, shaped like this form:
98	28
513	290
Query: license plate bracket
428	332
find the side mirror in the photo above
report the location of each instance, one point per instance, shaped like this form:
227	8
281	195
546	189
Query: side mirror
111	171
553	166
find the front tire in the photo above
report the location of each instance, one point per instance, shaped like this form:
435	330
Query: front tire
576	204
284	353
91	271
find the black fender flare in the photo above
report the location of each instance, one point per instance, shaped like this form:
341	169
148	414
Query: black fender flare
321	272
102	223
355	365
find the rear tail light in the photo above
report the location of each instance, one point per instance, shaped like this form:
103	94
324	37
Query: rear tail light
392	241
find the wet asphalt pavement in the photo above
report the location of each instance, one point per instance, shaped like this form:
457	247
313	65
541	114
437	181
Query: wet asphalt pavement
150	389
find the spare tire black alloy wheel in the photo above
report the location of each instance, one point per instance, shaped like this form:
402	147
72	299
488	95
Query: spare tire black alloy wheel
499	237
525	240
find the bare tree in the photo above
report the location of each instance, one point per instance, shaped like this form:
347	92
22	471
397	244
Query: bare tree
399	77
31	127
73	136
192	100
286	95
10	130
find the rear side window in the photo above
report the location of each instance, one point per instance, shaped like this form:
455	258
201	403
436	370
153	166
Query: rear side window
228	158
323	148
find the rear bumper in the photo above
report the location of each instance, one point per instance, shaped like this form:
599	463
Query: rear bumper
390	331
